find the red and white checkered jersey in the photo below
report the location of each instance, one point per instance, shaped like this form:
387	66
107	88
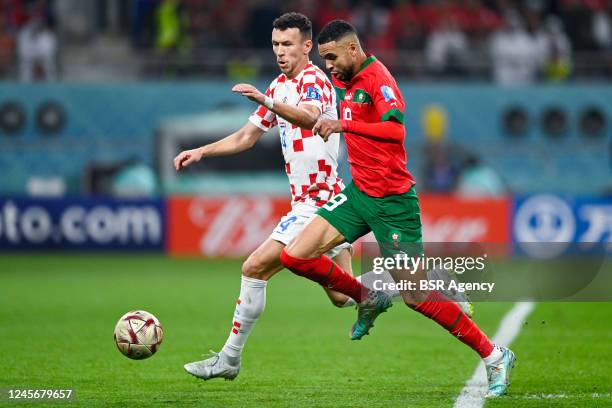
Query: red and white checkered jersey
310	163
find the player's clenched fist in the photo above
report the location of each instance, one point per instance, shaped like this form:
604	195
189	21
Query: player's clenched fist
325	127
187	157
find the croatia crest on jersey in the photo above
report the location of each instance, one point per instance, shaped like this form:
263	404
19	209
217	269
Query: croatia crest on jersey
387	93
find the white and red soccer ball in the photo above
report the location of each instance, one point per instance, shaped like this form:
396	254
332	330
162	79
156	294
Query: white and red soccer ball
138	334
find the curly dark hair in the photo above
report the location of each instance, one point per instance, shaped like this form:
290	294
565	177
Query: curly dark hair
294	20
335	30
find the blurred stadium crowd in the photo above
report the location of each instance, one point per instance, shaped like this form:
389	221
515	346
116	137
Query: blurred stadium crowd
508	41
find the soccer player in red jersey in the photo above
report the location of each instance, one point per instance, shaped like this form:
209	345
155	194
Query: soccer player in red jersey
381	199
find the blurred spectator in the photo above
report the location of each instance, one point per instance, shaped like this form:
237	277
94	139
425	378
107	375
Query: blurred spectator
602	26
447	48
514	53
555	50
171	26
331	10
260	22
479	180
143	22
229	19
440	170
479	21
577	19
372	23
16	12
37	50
406	26
134	180
7	46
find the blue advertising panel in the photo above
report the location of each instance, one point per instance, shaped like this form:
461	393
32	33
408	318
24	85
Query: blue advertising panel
79	223
563	221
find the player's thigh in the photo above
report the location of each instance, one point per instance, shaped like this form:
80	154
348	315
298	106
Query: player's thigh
345	213
397	226
264	262
318	237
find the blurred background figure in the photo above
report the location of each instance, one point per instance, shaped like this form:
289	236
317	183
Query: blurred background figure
447	48
555	50
37	45
514	52
7	45
479	180
441	169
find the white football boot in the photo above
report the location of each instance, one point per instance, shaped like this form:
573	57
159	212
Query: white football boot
216	366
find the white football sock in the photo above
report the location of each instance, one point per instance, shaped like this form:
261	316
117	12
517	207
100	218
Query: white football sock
494	357
349	302
249	307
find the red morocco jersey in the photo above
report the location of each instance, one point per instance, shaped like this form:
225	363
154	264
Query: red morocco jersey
378	168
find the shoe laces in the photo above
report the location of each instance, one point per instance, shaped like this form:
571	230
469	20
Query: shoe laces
212	354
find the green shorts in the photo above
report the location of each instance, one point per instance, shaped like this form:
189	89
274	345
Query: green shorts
395	219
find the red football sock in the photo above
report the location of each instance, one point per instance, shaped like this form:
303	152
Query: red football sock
448	314
327	273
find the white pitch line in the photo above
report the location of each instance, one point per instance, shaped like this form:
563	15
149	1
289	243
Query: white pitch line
472	395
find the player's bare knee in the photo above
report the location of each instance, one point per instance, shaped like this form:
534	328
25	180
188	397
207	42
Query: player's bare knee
254	268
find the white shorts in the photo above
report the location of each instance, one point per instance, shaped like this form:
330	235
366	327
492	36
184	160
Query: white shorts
295	221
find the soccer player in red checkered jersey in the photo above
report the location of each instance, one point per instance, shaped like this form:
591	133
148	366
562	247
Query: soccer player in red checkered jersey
294	101
381	199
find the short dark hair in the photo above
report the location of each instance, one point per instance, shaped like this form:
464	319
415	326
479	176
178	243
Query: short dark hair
335	30
294	20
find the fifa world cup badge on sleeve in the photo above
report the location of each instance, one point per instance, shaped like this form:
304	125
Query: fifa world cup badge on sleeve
313	93
387	93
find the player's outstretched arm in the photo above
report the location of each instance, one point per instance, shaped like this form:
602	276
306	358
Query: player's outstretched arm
387	131
237	142
304	116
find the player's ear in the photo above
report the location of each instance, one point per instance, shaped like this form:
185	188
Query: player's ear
307	46
352	49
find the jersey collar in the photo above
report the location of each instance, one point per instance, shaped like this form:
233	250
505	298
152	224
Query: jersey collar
370	59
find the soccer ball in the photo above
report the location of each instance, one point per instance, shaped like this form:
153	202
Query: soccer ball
138	334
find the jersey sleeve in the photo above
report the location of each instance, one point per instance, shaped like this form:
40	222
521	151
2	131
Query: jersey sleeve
264	118
315	90
388	100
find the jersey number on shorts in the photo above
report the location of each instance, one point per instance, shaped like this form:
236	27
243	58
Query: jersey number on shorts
334	202
285	224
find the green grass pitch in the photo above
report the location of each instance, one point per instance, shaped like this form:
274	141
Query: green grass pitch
57	315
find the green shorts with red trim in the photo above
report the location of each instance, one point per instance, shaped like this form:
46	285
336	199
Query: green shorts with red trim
394	219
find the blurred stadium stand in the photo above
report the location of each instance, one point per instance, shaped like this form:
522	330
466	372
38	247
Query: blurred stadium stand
100	40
